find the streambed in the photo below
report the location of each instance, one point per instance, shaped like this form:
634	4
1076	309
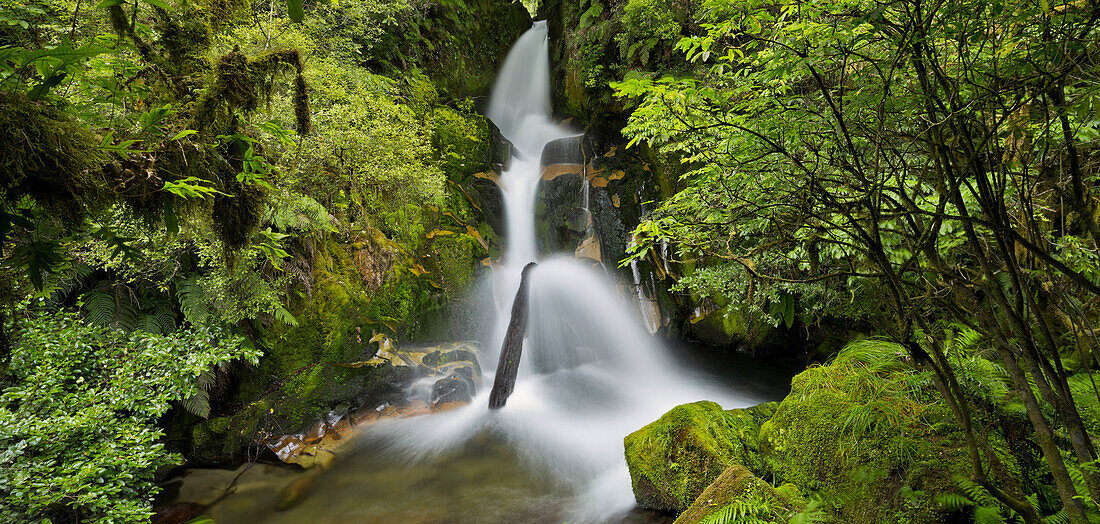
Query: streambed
488	477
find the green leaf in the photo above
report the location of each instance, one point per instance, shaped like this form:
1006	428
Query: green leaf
44	86
294	10
171	222
160	4
109	3
184	134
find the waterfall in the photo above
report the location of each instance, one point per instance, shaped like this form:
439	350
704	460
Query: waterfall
590	374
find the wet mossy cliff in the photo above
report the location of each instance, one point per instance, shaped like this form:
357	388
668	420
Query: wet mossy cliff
386	272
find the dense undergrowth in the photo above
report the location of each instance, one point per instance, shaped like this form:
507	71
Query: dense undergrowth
189	185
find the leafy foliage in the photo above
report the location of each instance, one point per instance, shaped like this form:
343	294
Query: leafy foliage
79	434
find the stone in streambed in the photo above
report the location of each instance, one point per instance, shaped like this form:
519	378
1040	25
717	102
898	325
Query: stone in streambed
294	492
673	460
736	483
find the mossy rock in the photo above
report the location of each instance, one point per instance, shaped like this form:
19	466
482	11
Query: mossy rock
674	459
735	484
868	434
463	142
730	327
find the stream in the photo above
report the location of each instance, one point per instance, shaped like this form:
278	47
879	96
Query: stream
590	374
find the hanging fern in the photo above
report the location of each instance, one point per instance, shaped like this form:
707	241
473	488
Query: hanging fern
192	300
198	404
99	308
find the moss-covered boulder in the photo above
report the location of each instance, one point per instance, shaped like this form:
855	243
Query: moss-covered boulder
675	458
738	484
869	434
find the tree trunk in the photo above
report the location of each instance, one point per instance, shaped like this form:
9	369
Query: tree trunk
512	348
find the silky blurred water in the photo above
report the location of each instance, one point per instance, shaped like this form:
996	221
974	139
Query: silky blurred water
590	374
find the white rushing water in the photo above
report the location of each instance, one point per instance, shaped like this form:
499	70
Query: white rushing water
590	373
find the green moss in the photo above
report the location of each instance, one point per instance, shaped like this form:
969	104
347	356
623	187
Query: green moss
456	257
49	158
241	84
462	142
673	460
738	485
866	433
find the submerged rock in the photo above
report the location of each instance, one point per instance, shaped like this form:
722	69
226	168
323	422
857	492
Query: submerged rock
674	459
178	513
294	492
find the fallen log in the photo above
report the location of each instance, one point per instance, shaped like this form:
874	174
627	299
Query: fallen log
510	350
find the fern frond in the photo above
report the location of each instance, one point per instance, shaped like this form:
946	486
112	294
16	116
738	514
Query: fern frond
149	324
198	404
166	318
1058	518
205	380
284	316
99	308
126	318
813	513
953	501
192	299
988	515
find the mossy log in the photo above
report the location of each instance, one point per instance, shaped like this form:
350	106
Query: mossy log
512	347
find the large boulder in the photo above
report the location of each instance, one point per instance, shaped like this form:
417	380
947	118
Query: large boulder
868	434
674	459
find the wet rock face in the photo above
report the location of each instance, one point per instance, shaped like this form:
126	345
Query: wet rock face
452	388
564	151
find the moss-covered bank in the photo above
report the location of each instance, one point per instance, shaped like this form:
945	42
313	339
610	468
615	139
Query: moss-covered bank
866	436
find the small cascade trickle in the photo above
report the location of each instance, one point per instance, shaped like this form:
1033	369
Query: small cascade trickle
651	313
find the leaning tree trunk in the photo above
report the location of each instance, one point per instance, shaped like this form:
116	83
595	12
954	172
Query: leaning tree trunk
512	348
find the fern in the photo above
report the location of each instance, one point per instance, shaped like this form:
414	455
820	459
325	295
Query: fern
813	513
149	324
988	515
192	299
99	308
166	318
126	318
1058	518
284	316
954	501
198	404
